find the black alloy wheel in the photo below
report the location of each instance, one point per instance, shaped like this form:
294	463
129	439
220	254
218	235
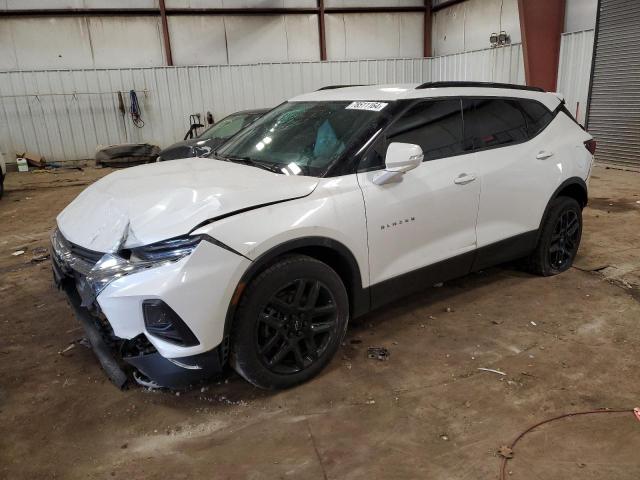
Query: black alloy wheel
296	325
564	240
290	322
559	238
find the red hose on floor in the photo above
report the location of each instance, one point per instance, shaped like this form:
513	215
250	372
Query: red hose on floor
503	467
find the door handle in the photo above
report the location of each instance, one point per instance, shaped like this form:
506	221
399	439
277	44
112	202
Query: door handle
543	155
464	178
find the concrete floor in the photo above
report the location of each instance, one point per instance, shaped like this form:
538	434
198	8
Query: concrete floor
566	343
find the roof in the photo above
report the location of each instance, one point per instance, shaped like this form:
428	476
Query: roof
408	91
253	111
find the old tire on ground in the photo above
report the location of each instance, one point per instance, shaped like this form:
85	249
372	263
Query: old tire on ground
290	322
559	238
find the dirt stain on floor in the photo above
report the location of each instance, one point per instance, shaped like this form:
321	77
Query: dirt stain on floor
614	205
565	343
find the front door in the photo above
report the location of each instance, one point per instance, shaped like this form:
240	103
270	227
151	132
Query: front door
421	229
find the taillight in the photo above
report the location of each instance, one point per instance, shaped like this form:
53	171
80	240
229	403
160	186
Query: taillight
591	146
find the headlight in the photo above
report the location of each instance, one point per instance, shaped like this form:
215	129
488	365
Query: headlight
115	265
170	250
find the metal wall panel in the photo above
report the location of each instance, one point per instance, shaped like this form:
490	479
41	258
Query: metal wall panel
198	40
40	4
503	64
240	3
373	3
576	50
467	26
382	35
580	15
614	110
65	114
80	42
271	38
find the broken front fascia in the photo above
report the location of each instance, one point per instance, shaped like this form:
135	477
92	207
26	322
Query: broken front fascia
94	278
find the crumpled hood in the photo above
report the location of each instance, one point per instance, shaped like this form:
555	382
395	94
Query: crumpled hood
149	203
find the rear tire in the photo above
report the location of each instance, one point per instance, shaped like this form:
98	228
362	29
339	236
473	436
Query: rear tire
559	238
290	323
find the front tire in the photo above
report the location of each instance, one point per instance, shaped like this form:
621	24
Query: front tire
290	323
559	238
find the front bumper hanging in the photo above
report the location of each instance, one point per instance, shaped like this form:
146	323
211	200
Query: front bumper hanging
106	358
120	357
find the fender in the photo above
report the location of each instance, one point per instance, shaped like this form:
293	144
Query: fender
341	260
572	182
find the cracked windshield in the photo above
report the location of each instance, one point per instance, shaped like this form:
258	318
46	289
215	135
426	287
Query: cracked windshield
304	138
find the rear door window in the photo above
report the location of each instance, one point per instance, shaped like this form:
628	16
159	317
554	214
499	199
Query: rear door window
536	115
435	125
492	122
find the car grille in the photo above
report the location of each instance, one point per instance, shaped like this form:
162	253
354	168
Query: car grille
89	256
70	256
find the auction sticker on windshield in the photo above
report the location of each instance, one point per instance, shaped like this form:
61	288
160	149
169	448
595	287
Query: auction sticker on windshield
371	106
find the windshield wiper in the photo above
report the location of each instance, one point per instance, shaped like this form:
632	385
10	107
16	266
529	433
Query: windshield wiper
253	163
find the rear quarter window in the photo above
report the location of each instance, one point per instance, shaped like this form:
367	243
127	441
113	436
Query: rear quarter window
536	115
492	122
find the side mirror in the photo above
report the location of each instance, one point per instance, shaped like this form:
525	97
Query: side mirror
400	158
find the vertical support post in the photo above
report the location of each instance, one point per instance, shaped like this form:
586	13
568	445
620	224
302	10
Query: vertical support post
541	25
165	33
322	31
427	28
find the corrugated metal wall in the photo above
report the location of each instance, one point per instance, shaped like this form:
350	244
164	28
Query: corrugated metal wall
574	71
503	64
65	114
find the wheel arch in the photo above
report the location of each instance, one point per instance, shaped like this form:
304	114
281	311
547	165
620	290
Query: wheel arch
574	187
327	250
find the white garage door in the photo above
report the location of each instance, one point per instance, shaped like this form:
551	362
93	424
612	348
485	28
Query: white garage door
614	110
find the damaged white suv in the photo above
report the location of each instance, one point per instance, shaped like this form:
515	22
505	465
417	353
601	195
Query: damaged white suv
332	204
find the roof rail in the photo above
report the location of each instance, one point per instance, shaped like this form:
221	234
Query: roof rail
333	87
479	84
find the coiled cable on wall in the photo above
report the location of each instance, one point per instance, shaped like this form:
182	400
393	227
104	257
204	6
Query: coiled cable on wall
134	109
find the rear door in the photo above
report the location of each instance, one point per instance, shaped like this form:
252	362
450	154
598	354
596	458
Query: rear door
515	158
430	214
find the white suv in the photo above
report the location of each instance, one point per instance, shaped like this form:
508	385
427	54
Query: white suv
331	205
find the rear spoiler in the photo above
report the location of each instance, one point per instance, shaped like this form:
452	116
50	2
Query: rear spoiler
562	107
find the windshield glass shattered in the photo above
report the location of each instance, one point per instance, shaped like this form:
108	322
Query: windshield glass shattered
305	138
